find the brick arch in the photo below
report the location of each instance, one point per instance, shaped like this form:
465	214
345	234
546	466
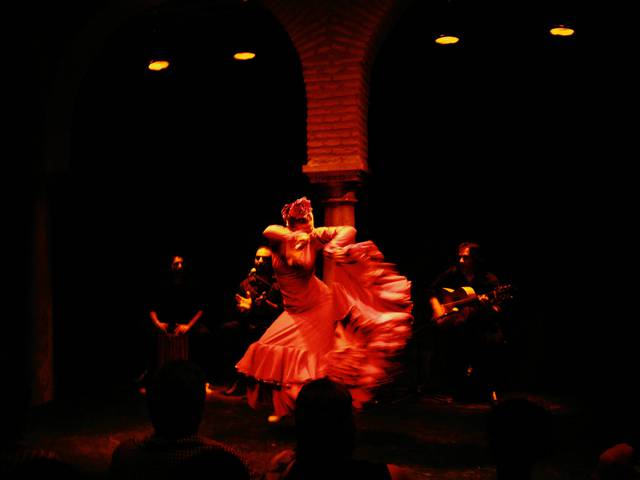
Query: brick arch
337	42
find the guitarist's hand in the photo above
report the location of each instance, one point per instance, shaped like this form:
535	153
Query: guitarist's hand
437	308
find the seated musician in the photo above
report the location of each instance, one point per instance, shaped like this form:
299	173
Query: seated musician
469	337
258	304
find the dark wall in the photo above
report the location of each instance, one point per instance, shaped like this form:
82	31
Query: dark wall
196	160
509	139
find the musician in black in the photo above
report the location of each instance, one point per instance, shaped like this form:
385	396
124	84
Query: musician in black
176	309
258	303
469	338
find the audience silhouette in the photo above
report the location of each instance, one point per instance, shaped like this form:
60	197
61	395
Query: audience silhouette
325	440
175	402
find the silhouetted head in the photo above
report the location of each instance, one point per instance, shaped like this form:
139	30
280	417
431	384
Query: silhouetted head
175	399
324	420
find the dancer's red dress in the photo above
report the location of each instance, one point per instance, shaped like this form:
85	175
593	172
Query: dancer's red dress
348	331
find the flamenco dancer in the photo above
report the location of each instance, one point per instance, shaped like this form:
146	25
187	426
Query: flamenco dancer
348	331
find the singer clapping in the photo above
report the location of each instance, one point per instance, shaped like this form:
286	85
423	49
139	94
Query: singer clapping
258	303
259	294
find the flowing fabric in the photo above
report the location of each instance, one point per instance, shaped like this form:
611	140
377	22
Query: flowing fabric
349	331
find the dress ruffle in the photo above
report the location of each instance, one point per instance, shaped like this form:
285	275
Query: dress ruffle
279	365
379	324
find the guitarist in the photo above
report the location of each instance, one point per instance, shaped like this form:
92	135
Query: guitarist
469	341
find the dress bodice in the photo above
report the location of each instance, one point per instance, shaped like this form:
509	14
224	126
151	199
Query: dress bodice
295	268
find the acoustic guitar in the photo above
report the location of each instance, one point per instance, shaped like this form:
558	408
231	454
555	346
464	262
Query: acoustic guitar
448	308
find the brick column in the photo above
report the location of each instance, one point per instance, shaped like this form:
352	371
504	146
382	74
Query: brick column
339	200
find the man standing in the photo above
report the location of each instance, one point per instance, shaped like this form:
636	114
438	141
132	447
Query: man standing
176	309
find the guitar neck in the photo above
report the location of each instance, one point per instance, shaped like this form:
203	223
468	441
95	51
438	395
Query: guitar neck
462	301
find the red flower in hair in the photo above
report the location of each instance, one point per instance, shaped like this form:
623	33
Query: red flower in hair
298	209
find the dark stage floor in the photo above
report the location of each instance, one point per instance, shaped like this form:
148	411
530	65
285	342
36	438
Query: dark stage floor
426	433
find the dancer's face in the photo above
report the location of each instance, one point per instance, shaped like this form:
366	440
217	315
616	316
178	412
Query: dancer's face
301	224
